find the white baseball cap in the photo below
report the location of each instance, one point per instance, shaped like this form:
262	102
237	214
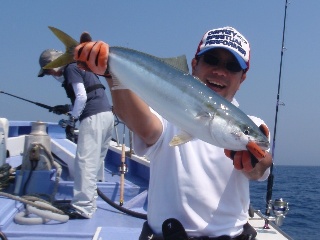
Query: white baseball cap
230	39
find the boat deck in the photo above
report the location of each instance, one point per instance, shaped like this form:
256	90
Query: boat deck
108	222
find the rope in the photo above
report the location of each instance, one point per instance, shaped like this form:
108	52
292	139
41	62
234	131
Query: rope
43	210
3	236
6	174
37	210
32	201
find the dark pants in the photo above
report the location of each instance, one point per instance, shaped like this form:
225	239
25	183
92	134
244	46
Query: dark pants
249	233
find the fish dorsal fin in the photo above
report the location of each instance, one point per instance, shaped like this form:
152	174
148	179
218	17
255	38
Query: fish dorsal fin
69	43
179	62
181	138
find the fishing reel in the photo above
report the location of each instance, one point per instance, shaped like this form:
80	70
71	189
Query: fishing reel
123	168
279	208
70	128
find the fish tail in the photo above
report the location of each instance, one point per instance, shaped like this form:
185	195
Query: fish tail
69	44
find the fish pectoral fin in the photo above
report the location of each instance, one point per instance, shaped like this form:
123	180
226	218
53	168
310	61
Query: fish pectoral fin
180	138
204	116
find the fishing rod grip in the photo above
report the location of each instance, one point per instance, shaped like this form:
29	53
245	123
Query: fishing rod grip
44	106
122	172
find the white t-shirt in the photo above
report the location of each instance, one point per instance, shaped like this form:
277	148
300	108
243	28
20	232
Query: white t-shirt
196	184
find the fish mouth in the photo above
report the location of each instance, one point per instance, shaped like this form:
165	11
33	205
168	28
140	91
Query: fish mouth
263	145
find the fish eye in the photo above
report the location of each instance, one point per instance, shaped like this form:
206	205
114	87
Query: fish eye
246	132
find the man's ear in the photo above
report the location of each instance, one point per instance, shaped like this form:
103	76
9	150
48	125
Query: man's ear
194	63
243	77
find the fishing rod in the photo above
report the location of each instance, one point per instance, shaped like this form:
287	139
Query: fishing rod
271	176
63	123
122	167
36	103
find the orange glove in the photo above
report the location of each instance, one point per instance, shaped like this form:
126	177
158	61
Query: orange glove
93	56
247	160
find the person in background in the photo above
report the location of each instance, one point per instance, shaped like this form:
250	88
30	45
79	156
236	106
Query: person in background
89	105
204	187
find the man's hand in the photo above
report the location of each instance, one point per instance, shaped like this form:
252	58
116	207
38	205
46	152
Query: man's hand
93	56
60	109
247	160
70	127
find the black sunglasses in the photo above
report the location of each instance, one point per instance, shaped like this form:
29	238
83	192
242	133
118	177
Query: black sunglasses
214	61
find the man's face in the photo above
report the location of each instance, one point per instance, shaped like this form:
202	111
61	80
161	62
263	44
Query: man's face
212	69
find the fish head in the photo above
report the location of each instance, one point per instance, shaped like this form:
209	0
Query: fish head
234	132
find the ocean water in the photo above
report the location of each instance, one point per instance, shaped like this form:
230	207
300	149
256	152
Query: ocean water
300	187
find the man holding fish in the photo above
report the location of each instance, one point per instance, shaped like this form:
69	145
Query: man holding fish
192	178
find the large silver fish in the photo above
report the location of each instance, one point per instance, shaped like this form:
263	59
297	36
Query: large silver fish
182	99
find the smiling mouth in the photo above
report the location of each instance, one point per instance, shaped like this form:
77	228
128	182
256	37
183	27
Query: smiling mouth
215	84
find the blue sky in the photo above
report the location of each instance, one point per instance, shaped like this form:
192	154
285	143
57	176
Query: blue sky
170	28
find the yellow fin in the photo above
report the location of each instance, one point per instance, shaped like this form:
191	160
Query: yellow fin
63	60
179	139
69	43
